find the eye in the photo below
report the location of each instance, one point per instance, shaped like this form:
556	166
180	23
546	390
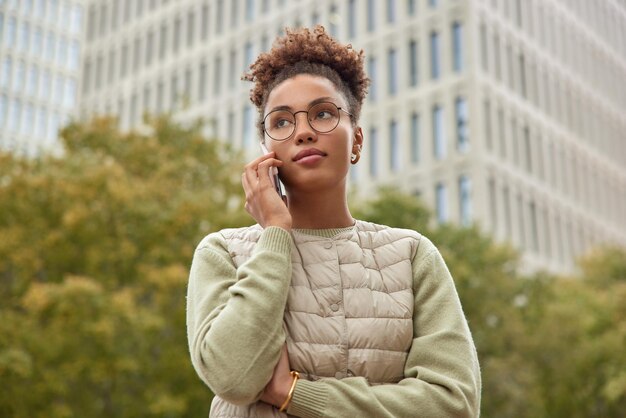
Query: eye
282	123
324	114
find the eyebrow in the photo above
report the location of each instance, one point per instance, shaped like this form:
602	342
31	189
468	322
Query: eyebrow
312	103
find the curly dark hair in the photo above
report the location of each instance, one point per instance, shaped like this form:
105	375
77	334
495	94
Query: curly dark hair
306	51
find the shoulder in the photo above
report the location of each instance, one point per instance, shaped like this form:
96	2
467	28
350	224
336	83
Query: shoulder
382	234
386	234
224	238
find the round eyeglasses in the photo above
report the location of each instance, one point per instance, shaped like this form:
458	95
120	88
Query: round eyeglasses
323	117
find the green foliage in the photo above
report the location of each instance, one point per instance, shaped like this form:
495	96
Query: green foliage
548	346
94	260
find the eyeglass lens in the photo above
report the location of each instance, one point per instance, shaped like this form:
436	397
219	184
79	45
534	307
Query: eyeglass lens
322	117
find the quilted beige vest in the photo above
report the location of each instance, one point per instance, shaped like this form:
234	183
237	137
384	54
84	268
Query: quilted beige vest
350	305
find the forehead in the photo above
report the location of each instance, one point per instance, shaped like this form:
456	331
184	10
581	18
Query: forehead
298	91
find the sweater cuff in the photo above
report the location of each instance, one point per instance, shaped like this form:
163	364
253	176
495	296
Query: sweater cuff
274	239
309	399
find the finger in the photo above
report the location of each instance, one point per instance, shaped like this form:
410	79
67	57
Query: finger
264	169
245	183
254	163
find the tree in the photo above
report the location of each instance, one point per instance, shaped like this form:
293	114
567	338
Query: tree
94	258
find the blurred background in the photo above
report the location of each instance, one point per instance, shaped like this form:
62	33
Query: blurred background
495	127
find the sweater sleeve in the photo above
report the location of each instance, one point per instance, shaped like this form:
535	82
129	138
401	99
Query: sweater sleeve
235	315
442	376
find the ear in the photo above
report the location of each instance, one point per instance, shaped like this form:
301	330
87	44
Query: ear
358	138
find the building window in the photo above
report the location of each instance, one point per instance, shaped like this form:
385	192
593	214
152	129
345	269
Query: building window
70	93
506	199
391	11
111	66
202	77
76	19
187	85
124	61
3	109
147	99
483	47
413	63
204	27
248	54
162	42
371	69
522	75
373	146
7	65
232	66
219	16
176	41
493	206
415	138
465	203
394	146
441	205
371	15
521	223
50	46
248	126
411	8
438	133
217	77
528	162
191	27
31	81
333	18
15	114
160	97
462	137
99	69
457	47
234	13
149	47
352	18
487	119
434	56
249	10
392	60
74	56
534	231
133	109
19	76
174	92
136	53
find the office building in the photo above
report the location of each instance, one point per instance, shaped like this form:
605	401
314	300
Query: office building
505	113
40	48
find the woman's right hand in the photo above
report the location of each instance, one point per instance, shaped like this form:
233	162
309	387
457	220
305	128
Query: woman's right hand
262	201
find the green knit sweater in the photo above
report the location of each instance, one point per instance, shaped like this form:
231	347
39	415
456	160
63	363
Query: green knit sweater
243	308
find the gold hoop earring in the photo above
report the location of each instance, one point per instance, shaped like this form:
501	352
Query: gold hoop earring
355	158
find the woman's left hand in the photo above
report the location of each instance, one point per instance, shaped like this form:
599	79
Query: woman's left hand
278	387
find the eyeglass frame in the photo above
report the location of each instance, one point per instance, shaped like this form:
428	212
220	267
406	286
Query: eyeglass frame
295	121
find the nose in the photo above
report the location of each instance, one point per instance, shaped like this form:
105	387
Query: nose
302	131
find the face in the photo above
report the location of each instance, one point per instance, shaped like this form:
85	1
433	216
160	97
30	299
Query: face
312	160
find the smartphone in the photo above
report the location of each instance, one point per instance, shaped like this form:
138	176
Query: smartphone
274	175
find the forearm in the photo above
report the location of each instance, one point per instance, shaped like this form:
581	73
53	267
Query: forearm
235	316
354	397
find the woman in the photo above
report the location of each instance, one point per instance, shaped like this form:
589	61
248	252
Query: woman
311	312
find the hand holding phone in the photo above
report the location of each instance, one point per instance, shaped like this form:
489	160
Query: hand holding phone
274	175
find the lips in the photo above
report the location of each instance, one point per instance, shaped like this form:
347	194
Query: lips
307	153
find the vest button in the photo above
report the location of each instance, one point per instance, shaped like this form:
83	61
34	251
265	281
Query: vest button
334	307
328	245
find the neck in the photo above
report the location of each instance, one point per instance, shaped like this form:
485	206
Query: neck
320	209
